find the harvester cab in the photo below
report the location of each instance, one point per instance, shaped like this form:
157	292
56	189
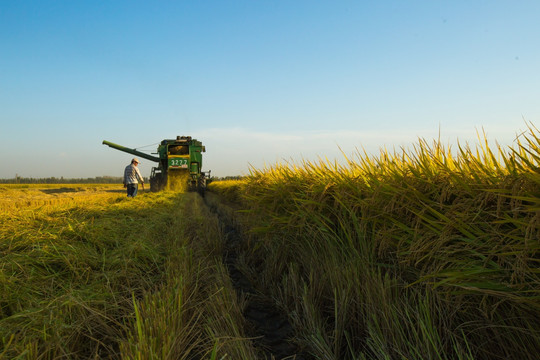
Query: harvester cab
178	159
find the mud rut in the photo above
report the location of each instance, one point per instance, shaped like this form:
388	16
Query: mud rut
269	328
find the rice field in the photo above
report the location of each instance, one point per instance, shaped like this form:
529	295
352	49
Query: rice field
87	273
422	253
31	196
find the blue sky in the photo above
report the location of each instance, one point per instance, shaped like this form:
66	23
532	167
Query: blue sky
257	81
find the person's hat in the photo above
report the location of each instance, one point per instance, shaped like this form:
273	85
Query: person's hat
134	160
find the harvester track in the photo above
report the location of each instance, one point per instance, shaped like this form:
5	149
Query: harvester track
269	327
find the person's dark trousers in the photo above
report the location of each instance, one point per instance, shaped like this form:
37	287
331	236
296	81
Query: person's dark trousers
132	190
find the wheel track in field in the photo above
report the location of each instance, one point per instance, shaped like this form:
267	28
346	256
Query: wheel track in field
268	326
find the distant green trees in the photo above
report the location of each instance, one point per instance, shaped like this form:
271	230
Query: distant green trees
61	180
95	180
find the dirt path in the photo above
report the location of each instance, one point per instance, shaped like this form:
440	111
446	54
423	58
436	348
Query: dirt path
268	326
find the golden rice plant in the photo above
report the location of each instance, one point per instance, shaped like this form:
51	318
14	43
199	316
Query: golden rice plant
428	252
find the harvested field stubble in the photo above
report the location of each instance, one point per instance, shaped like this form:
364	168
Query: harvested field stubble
68	270
14	197
104	276
417	255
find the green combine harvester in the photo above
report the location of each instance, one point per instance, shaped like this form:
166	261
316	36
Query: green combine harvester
175	157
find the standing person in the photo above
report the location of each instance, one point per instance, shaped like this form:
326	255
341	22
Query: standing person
131	175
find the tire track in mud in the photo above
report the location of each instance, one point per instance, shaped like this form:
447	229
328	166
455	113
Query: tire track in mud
269	327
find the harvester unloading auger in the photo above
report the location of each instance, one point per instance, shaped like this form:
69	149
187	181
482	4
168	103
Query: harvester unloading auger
180	156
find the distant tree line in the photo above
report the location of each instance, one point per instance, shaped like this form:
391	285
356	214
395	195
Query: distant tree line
61	180
95	180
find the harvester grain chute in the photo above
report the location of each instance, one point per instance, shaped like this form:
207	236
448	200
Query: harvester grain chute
180	156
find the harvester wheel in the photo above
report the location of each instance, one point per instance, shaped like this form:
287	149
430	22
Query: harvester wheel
201	186
156	183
